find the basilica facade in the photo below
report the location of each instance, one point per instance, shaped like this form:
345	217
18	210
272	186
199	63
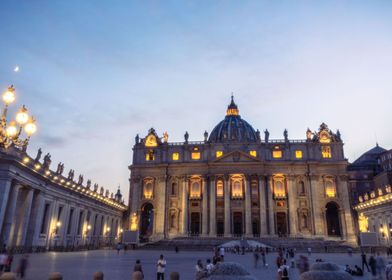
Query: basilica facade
237	183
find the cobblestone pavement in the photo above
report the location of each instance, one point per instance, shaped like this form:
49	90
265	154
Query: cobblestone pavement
82	265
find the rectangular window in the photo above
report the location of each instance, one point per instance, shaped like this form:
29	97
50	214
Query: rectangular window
175	156
195	155
277	154
298	154
150	155
44	224
253	153
219	154
219	189
326	152
69	227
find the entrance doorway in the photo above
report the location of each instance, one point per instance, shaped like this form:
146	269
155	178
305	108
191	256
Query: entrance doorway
237	223
147	220
220	227
195	223
281	224
332	217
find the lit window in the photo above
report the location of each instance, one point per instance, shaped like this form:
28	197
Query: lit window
330	189
219	154
298	154
150	155
277	154
195	189
219	188
279	188
363	222
175	156
236	187
148	189
253	153
326	152
195	155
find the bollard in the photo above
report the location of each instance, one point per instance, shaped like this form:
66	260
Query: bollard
98	275
8	276
55	276
174	275
137	275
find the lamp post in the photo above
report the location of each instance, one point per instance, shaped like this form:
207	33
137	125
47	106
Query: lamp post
10	132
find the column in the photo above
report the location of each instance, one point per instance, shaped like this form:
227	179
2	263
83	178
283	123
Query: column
271	203
25	218
212	207
204	228
40	200
184	212
227	232
64	222
316	193
263	206
137	186
9	224
5	186
160	211
343	192
292	198
248	208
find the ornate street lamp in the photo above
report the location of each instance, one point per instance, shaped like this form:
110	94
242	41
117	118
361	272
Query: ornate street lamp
10	133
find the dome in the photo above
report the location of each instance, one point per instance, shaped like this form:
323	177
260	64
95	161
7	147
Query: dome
233	128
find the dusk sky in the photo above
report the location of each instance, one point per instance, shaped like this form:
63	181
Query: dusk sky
96	73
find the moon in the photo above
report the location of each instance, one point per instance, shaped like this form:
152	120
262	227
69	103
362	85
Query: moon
16	69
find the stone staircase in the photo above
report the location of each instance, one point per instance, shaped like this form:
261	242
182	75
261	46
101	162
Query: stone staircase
208	243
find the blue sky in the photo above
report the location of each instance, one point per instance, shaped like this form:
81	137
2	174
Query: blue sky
96	73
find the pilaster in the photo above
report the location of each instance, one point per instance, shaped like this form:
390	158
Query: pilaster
227	230
248	208
212	207
263	206
204	228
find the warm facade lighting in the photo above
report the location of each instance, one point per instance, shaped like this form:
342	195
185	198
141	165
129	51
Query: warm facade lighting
26	160
363	223
30	127
218	154
279	188
12	130
195	190
148	190
134	222
195	155
298	154
330	189
253	153
176	156
219	189
150	156
326	152
151	141
236	187
277	154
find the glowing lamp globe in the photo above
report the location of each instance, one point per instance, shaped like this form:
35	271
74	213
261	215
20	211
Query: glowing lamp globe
30	127
22	117
9	95
11	130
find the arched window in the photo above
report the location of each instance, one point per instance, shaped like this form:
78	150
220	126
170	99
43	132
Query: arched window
330	188
195	190
236	187
219	188
148	189
174	189
279	187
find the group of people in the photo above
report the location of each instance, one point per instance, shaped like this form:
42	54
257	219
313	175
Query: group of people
138	269
6	260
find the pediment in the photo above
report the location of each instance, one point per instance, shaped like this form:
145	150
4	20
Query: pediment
237	156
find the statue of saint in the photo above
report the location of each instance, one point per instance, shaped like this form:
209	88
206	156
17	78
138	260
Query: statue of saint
165	137
95	187
80	181
266	136
47	161
286	135
71	174
338	136
39	153
101	191
258	135
309	134
186	136
88	185
137	139
205	136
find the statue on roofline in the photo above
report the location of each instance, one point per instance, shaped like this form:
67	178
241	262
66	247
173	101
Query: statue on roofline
266	136
47	161
39	153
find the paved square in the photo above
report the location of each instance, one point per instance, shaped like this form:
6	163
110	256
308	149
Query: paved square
82	265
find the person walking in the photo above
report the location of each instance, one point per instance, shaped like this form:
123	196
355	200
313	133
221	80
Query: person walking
263	259
222	253
22	267
372	264
3	261
161	264
138	267
209	266
283	271
364	261
380	266
256	257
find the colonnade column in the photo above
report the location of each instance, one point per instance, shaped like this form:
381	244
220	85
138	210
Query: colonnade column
39	217
227	232
204	229
248	208
5	186
184	207
212	207
262	206
9	224
25	218
292	204
271	202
